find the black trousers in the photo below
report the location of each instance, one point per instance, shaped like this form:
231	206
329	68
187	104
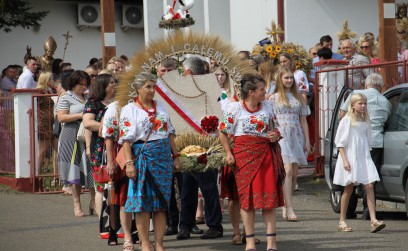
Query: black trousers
173	215
207	181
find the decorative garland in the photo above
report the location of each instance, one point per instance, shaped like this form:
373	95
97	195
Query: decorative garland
271	50
176	24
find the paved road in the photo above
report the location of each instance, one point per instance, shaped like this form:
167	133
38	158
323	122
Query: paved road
46	222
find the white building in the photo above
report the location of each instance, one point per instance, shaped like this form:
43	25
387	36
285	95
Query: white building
242	22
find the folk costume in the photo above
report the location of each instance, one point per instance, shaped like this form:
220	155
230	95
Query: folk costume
150	192
259	169
227	179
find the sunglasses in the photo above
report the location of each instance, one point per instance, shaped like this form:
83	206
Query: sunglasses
365	47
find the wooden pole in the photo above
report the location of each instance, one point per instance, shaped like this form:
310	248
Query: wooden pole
387	42
281	18
108	30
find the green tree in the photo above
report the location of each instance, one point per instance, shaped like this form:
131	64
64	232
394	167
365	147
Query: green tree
16	13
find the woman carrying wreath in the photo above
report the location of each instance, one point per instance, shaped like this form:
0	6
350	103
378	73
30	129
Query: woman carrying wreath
255	158
147	137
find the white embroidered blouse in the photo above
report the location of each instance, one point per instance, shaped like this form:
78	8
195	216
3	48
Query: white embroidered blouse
135	124
238	121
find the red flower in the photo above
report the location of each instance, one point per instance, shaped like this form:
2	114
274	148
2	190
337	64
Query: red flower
165	126
202	159
122	133
151	119
209	124
260	126
222	126
156	125
126	123
230	120
253	121
115	122
110	130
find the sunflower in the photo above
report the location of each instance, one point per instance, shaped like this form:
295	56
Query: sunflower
298	64
278	48
269	48
272	54
290	51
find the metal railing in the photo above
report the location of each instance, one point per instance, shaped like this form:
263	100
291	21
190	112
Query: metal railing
7	137
43	145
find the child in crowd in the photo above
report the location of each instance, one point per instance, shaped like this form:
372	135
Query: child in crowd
353	140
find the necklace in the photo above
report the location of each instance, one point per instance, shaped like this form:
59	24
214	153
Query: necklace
149	113
189	97
249	110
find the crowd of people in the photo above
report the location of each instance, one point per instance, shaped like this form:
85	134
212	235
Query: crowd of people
265	115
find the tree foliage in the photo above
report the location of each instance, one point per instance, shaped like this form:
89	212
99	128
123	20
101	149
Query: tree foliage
16	13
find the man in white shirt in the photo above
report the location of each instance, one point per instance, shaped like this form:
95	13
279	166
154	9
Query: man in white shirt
26	80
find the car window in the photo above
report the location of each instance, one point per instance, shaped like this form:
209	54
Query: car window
399	116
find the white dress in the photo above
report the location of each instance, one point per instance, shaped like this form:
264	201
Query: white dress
356	140
288	121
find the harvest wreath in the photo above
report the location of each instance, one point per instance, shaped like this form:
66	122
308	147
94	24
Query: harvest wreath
178	44
199	152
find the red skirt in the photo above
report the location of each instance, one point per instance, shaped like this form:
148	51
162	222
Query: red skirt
121	182
228	185
259	173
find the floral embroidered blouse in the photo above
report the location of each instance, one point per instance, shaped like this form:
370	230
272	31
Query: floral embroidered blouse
135	124
110	127
238	121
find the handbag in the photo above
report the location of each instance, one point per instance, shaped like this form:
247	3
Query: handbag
100	175
57	127
81	133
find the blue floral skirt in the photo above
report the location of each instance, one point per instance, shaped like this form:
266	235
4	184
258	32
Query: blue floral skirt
152	188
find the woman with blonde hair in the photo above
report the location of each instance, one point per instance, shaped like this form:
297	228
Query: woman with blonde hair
366	47
267	70
45	118
290	111
353	140
286	60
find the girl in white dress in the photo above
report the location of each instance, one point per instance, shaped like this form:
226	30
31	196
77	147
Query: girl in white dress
290	110
353	140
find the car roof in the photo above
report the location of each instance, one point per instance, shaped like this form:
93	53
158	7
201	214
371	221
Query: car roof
400	86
